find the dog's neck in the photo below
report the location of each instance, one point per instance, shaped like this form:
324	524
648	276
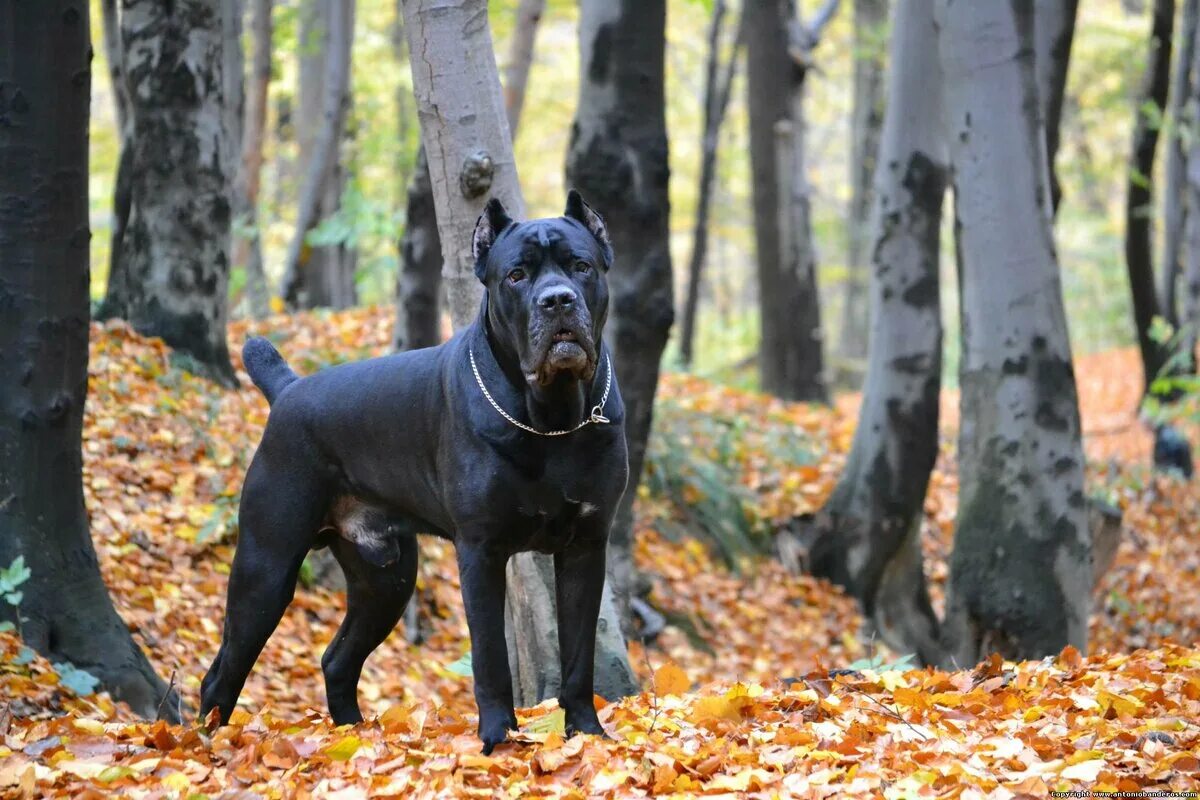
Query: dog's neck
560	405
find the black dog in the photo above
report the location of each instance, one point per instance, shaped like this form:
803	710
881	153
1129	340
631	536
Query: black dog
507	438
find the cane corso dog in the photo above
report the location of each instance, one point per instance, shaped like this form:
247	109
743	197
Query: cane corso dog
507	438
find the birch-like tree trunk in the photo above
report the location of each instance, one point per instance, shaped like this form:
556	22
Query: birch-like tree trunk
1175	208
1053	35
790	352
465	130
247	247
618	160
65	612
868	535
1191	297
1139	200
520	59
718	84
174	271
1021	572
870	25
315	275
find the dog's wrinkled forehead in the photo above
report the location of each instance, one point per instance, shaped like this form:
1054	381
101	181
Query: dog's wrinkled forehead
530	244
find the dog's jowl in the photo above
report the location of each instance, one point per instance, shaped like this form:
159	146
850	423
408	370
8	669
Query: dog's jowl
507	438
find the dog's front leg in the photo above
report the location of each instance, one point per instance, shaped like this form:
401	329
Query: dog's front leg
579	586
481	572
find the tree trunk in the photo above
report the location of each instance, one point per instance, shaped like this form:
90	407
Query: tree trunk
321	275
122	188
66	613
618	160
868	536
717	87
520	58
1139	201
1054	32
419	289
790	361
1020	573
1191	297
464	126
1174	191
247	247
175	252
870	24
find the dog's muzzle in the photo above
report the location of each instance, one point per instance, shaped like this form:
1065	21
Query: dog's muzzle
560	337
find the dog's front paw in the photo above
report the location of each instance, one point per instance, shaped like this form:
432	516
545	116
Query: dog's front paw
584	720
494	728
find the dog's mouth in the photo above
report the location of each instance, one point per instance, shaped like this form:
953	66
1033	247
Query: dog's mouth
566	349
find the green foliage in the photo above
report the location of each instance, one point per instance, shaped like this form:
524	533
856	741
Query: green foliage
11	578
81	682
877	663
462	666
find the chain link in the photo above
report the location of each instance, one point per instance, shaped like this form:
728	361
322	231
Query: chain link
597	415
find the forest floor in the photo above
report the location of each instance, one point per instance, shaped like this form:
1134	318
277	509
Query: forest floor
739	697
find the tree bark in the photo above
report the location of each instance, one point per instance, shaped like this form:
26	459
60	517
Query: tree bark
1020	573
870	22
868	535
790	360
247	248
66	613
1139	201
1175	208
314	275
419	288
1053	35
122	188
175	251
1191	297
618	160
465	131
520	58
717	88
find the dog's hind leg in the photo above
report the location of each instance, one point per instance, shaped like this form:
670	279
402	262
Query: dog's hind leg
278	523
375	600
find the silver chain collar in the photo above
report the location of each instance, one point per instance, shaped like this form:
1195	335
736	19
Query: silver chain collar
596	417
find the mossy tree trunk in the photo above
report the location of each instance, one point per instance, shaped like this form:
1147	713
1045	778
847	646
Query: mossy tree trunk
618	160
174	262
66	613
868	535
1021	572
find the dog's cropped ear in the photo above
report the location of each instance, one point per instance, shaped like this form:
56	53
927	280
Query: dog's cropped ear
584	214
491	222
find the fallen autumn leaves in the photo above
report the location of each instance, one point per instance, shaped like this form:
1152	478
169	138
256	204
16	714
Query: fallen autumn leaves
164	457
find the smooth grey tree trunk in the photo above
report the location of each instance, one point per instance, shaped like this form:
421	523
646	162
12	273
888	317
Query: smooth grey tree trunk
65	613
1053	35
173	280
718	85
791	364
1175	208
247	247
866	121
520	59
122	183
618	160
1191	297
1139	200
1021	572
868	534
313	275
465	130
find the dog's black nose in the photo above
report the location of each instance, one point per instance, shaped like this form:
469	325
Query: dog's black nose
556	297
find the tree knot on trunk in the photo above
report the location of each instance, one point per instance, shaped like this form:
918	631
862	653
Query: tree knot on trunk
475	178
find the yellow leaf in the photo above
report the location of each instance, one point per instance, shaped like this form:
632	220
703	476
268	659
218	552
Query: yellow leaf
277	306
177	782
1084	771
554	722
92	726
344	749
670	679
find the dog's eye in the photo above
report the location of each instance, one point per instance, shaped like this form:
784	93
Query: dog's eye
582	266
516	276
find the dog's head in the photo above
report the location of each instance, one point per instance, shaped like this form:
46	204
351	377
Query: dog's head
547	287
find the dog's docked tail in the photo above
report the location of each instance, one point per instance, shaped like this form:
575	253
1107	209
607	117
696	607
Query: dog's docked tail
267	369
